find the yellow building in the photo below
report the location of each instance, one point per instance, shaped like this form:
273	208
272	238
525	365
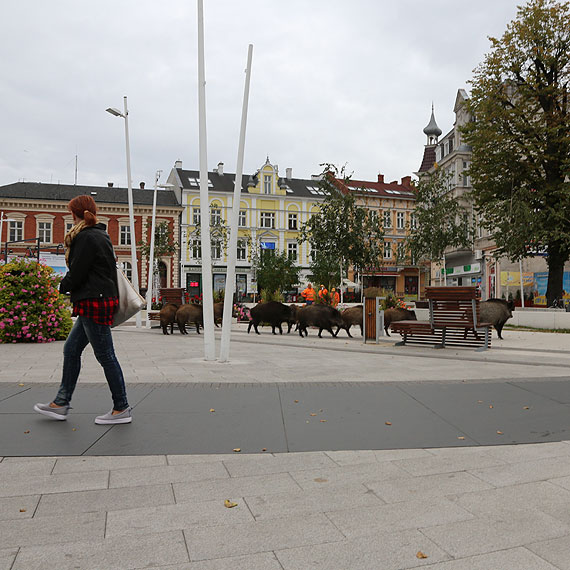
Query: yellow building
272	210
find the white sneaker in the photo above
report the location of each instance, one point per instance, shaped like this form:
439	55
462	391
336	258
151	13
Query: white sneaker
53	413
124	417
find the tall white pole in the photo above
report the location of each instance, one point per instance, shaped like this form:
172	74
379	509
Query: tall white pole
232	251
134	265
207	285
151	256
444	272
1	227
522	286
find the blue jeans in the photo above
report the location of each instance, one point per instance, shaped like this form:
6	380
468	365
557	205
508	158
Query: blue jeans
86	331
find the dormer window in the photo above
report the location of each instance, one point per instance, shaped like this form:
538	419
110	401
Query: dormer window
267	183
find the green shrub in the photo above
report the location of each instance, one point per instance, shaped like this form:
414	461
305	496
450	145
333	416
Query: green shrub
267	296
31	307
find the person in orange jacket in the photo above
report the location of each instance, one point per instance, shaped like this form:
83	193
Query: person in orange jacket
335	297
308	294
322	293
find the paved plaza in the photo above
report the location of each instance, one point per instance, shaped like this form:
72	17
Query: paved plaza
351	456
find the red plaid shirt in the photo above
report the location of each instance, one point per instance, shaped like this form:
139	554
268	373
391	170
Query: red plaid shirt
101	310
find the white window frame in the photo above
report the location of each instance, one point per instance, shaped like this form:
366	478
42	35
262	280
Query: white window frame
127	268
241	253
267	183
16	230
45	233
196	215
400	220
292	251
267	220
242	219
413	221
292	221
387	216
387	250
216	249
215	215
196	249
125	234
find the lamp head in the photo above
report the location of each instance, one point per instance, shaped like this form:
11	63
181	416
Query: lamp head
114	111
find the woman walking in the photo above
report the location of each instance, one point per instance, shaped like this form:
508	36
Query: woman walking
92	283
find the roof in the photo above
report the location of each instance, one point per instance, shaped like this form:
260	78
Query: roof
432	127
428	160
101	194
381	189
297	187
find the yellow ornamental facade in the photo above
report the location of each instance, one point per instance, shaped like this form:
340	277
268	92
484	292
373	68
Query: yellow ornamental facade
271	213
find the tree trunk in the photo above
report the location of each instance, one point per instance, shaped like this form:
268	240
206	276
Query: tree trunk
556	259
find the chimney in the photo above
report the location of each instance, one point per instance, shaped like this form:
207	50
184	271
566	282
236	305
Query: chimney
110	184
288	173
141	185
178	164
407	181
381	178
220	168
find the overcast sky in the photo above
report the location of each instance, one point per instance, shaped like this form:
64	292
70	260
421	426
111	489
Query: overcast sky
341	81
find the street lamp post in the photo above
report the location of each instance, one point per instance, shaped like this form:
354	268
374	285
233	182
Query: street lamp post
3	218
135	273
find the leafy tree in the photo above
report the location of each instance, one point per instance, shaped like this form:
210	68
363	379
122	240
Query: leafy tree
341	230
163	242
441	221
521	137
325	269
275	271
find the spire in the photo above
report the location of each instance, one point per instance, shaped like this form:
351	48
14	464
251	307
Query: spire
432	131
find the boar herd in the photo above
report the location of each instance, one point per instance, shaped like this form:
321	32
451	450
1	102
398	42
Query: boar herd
323	317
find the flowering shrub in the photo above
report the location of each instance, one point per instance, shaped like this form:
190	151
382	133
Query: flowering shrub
241	312
156	304
31	307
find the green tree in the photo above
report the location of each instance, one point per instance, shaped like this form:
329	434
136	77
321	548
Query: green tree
163	242
325	269
521	137
341	229
274	270
440	220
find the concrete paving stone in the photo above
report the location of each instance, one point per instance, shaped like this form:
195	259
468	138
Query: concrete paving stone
517	473
120	553
167	474
433	465
512	559
555	551
235	487
486	534
389	551
541	495
353	457
410	488
281	463
528	452
563	482
148	520
262	536
393	454
62	483
81	464
105	500
7	557
347	475
262	561
42	466
311	501
15	508
203	458
366	521
51	530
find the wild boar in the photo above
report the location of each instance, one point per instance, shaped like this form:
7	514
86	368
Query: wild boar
351	316
218	313
271	312
324	317
190	313
497	312
167	317
396	314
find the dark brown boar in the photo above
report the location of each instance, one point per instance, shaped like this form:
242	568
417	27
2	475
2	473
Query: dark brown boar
218	313
497	312
324	317
397	314
190	313
271	312
167	317
351	316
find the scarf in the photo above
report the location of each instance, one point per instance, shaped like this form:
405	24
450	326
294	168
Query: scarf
70	236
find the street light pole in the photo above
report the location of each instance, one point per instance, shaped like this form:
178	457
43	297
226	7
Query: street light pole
134	264
3	218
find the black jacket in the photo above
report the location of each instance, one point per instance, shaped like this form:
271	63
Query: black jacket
92	266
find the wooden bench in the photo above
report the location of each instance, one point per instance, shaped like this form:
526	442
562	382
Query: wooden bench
169	295
453	321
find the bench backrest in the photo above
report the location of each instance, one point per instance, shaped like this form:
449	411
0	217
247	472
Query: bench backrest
453	306
172	295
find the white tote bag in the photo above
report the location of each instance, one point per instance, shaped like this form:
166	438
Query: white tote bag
130	302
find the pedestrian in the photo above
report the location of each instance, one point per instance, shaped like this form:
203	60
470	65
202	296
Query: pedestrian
335	298
323	293
92	282
308	294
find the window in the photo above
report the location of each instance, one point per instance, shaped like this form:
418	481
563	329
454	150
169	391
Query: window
215	216
68	226
400	220
387	219
292	251
242	219
127	269
196	246
196	216
44	232
216	249
125	235
267	220
466	177
292	221
413	221
241	250
373	216
267	183
450	145
387	250
313	254
401	250
16	231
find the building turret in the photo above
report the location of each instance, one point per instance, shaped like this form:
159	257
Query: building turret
432	131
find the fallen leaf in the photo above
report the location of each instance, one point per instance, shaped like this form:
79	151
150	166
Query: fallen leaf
420	554
21	384
312	414
323	421
479	401
320	480
499	432
229	504
73	429
212	410
22	510
388	423
27	431
460	437
237	449
526	408
491	407
296	401
264	449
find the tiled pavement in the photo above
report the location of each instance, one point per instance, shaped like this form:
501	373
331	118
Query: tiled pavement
455	508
